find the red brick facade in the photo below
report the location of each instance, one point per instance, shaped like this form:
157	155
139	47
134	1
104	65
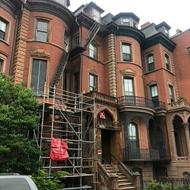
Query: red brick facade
142	77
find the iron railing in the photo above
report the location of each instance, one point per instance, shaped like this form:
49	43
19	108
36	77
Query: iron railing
141	154
140	102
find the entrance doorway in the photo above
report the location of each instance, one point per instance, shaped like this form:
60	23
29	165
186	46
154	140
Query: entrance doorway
106	146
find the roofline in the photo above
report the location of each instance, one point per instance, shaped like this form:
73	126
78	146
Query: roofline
159	38
126	14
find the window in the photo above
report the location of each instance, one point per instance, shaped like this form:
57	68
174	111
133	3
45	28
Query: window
154	95
66	41
42	31
1	65
167	62
96	15
132	132
3	29
93	82
150	62
92	51
126	52
38	76
75	41
133	150
128	86
125	21
171	93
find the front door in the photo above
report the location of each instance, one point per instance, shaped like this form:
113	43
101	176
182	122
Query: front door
106	146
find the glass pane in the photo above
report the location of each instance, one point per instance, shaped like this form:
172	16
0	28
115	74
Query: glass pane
126	49
128	86
41	36
14	184
1	65
42	26
42	76
2	35
3	26
35	74
154	91
150	59
92	51
132	133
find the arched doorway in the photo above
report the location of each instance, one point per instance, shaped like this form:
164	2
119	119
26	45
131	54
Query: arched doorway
105	123
180	138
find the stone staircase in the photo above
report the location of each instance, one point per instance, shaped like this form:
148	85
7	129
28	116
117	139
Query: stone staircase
123	181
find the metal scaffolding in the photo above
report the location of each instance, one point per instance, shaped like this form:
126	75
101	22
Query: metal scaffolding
69	116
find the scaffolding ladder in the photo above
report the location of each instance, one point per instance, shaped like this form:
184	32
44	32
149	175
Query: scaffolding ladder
69	116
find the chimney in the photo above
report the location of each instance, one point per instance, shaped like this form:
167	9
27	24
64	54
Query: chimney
178	31
145	25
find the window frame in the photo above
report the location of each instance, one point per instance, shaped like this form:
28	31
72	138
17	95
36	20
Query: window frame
150	65
93	87
129	54
128	23
5	33
36	91
92	51
151	87
125	92
171	93
38	31
2	62
167	62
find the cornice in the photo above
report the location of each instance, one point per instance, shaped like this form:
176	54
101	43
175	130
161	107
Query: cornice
121	30
159	38
12	6
54	8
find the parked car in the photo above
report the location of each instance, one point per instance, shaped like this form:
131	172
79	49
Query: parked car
16	182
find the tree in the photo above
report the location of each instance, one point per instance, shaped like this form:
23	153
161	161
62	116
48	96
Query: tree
18	119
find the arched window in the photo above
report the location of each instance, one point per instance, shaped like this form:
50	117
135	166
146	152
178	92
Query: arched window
132	132
180	137
133	151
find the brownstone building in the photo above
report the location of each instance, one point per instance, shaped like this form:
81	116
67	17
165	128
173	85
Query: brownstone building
117	94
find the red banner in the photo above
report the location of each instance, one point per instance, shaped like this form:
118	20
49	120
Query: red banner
58	150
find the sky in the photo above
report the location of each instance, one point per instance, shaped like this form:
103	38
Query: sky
174	12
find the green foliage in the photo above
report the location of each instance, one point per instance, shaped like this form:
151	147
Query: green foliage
43	182
18	118
154	185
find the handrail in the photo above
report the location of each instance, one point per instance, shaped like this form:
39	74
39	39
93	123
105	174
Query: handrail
129	171
140	101
110	178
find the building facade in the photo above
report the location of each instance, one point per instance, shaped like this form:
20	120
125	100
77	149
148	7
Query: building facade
137	78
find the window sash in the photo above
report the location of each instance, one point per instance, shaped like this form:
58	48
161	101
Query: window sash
167	61
1	65
42	31
126	52
3	29
132	132
171	92
3	26
126	21
38	76
128	87
92	82
154	91
92	51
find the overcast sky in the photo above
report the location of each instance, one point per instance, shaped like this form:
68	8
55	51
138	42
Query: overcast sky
175	12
